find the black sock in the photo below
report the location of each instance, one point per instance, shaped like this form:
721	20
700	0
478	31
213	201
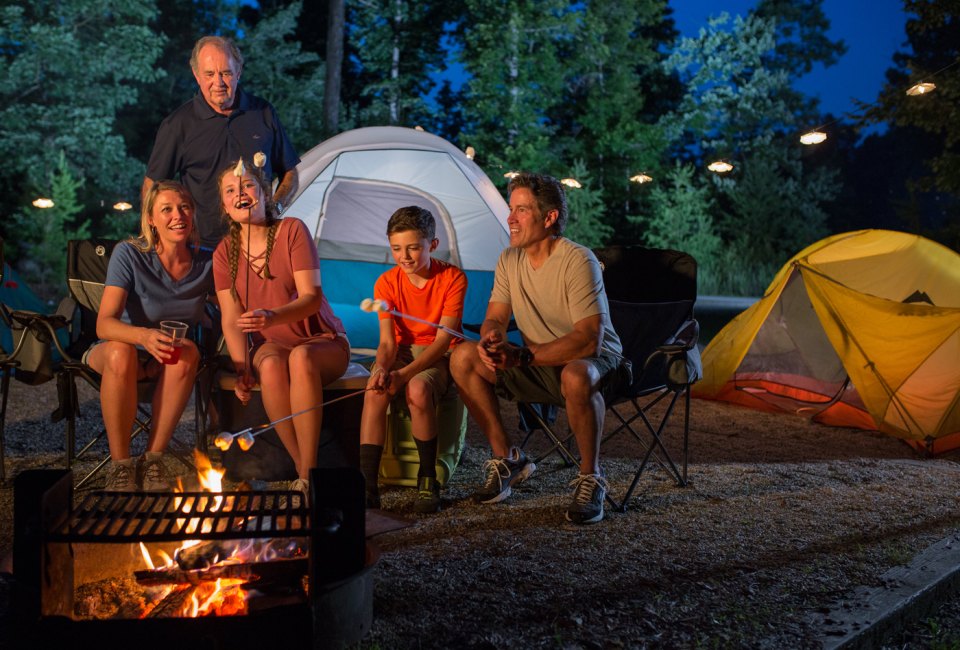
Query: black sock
428	458
370	466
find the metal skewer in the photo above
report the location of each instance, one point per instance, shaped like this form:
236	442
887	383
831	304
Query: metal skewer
382	305
246	436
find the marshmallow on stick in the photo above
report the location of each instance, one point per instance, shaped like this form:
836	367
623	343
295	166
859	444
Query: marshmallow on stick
368	304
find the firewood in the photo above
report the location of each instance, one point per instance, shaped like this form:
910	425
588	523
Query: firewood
250	571
172	606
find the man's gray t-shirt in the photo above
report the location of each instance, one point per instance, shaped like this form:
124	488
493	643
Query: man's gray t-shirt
548	301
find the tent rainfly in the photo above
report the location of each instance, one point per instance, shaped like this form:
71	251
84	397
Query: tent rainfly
352	183
861	329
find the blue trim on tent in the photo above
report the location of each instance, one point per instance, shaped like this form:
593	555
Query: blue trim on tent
347	283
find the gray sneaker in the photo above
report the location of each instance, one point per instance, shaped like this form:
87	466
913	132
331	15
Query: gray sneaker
588	494
502	474
153	473
121	476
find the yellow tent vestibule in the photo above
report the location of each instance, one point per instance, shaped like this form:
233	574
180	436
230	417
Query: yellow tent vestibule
861	329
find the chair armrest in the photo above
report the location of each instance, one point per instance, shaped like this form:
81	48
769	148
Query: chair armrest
680	356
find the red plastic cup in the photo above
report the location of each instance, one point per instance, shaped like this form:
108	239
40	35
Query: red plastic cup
176	331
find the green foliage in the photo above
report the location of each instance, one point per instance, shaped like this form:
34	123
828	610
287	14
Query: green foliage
511	49
43	233
770	206
66	69
585	223
277	68
397	45
680	218
612	66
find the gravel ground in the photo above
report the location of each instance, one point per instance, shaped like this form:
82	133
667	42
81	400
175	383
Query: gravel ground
781	519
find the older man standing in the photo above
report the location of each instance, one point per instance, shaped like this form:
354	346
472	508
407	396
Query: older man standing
571	357
220	124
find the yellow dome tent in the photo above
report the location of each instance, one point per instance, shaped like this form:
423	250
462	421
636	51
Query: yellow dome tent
861	329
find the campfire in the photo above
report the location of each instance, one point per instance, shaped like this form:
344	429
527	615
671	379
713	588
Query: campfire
243	568
205	575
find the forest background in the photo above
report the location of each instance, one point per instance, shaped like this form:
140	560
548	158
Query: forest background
596	90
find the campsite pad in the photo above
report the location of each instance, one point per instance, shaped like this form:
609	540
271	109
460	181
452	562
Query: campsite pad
783	518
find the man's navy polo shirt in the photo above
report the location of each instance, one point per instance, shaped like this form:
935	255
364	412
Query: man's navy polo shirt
195	143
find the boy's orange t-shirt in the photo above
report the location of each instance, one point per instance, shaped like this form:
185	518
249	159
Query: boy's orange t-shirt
442	295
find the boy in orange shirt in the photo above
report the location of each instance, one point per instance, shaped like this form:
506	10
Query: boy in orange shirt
413	358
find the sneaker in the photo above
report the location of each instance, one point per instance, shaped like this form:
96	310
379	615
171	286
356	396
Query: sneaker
153	473
502	475
302	486
428	496
588	494
372	500
121	476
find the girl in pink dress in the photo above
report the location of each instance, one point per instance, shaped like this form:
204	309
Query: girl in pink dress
267	277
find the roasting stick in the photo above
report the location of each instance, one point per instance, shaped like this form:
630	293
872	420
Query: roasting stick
382	305
246	436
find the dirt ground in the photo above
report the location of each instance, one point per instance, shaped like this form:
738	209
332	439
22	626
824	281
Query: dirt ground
781	518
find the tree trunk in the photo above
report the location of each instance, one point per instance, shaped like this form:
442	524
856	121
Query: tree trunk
331	94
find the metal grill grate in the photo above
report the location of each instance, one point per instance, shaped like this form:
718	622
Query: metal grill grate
158	517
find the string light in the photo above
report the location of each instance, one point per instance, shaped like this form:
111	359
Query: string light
511	174
813	137
921	88
641	178
571	182
471	152
43	202
121	206
720	166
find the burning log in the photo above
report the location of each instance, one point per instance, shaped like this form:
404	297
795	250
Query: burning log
290	570
206	554
172	606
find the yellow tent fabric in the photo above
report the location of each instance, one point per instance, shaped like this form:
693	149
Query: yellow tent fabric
860	329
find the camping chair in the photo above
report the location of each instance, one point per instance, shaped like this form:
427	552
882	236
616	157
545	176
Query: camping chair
87	262
31	361
651	294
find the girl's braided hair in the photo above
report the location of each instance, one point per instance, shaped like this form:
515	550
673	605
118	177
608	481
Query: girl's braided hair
233	235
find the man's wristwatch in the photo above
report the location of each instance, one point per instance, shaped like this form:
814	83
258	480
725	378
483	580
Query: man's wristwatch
279	207
525	357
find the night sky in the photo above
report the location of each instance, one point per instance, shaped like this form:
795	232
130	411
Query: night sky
872	29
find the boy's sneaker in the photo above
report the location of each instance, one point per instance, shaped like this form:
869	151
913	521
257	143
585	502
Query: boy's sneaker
502	474
121	476
153	473
428	496
588	494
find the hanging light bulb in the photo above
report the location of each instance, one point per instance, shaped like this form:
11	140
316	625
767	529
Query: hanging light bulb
641	178
121	206
43	202
921	88
720	166
813	137
471	152
571	182
511	174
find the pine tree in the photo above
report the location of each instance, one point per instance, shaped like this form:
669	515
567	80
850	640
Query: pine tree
66	70
510	50
44	233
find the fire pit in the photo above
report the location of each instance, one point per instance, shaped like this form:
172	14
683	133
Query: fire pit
191	569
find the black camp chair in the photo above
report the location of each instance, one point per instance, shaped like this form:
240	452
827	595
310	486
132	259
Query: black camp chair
87	262
31	361
651	294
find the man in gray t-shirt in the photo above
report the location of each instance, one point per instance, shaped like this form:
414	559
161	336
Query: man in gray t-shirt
571	355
